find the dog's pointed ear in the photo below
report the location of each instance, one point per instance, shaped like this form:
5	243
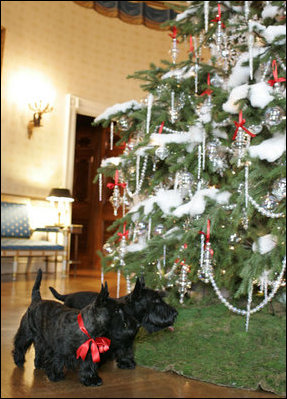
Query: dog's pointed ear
138	287
103	295
142	281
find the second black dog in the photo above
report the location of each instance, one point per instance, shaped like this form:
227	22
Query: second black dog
144	304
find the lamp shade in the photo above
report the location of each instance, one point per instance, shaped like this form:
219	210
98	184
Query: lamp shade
60	194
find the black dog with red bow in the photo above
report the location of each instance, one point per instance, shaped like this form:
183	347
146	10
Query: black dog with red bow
66	338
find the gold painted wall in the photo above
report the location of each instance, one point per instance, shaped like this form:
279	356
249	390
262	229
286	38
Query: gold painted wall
75	50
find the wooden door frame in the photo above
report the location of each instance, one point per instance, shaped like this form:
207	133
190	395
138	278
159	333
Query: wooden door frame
75	105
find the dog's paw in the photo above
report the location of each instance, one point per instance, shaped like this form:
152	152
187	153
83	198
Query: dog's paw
19	358
126	364
92	381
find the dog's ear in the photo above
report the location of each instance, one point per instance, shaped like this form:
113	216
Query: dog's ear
142	281
103	295
137	289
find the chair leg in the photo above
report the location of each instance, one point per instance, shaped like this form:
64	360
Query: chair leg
15	267
29	262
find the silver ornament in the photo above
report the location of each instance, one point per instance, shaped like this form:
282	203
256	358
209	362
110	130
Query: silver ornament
255	129
273	116
216	80
279	189
115	199
141	228
174	114
158	230
124	123
162	152
270	202
108	248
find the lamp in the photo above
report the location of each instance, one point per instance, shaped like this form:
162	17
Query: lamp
61	196
38	108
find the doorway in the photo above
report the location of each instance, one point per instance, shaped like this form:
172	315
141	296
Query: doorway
91	146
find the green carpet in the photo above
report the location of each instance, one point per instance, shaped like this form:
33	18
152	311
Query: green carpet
209	343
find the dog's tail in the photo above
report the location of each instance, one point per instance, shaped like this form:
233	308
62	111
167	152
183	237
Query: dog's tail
36	296
57	295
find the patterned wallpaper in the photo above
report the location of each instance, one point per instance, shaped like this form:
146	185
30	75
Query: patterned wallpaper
74	50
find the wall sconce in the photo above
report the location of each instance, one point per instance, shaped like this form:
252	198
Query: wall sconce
61	196
38	109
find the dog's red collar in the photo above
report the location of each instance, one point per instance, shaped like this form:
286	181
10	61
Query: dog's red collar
98	345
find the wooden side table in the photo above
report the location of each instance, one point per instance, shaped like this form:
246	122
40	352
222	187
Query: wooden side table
75	229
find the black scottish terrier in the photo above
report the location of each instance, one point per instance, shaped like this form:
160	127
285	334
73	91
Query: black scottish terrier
66	338
144	304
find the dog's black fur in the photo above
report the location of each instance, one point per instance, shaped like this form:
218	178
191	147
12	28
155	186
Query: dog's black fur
53	329
144	304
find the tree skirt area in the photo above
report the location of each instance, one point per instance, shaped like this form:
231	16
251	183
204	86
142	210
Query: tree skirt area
209	343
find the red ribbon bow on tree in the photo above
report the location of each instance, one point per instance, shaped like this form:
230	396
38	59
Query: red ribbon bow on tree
239	124
112	185
124	233
207	91
173	34
98	345
207	236
218	17
191	47
275	75
160	128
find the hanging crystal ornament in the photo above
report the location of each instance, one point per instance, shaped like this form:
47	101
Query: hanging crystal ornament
250	48
158	230
241	139
149	229
185	181
246	10
174	50
161	152
115	198
205	255
220	25
217	156
173	111
246	195
279	189
206	109
100	187
276	81
198	168
112	135
273	116
248	309
206	11
148	114
182	282
123	244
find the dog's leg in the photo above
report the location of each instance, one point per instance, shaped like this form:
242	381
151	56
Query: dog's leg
40	353
88	373
125	358
54	367
22	342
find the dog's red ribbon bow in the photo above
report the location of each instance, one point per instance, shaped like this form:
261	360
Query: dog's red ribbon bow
112	185
275	75
239	124
99	345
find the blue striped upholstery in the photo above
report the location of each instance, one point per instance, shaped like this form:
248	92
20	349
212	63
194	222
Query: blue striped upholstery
24	244
14	220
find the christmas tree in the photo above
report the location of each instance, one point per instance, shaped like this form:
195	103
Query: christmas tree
200	188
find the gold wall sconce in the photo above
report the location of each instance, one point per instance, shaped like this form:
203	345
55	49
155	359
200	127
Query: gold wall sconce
39	109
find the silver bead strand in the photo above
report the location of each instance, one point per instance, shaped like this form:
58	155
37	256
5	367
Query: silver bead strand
206	11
